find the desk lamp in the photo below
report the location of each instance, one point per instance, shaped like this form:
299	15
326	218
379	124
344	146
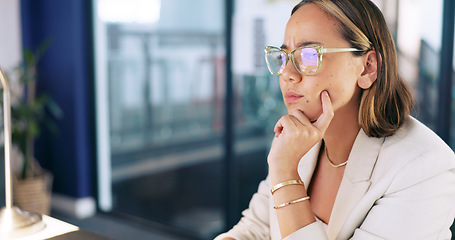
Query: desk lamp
14	222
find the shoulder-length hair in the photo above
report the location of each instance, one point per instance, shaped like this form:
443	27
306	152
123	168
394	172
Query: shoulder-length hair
385	106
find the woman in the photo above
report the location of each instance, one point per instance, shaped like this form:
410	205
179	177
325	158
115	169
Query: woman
348	142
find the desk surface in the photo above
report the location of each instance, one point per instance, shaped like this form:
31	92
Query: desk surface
59	230
81	234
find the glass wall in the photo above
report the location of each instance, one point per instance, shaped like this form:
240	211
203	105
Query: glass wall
419	39
160	68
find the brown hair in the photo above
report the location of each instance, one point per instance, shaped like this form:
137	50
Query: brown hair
385	106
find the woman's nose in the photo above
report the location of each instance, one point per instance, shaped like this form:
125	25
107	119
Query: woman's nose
290	73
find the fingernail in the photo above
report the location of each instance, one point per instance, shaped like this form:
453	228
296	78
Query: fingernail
326	93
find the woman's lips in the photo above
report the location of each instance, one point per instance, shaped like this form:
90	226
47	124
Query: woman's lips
292	97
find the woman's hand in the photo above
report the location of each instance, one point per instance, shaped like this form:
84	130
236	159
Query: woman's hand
295	136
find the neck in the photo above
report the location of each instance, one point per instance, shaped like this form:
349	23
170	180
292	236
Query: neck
340	136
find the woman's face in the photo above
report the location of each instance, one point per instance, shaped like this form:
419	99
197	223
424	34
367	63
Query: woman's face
339	71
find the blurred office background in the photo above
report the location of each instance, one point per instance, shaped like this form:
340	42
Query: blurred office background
169	108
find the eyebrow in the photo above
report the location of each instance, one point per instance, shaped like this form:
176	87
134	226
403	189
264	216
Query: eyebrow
301	44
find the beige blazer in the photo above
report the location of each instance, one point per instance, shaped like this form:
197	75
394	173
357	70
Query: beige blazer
398	187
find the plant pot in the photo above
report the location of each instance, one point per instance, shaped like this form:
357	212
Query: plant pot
33	194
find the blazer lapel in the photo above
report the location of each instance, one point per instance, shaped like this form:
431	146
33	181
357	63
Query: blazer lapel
356	180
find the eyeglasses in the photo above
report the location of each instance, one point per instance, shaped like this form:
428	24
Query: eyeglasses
307	59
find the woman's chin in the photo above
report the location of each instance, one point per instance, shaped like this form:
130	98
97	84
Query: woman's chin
312	117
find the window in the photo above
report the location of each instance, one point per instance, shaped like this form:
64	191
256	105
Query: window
160	89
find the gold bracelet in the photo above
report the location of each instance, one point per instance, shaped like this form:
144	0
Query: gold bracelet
292	202
282	184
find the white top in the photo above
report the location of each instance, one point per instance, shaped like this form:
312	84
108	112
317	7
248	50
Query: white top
397	187
323	223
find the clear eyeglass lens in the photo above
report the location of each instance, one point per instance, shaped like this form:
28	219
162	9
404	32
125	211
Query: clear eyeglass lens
276	60
307	60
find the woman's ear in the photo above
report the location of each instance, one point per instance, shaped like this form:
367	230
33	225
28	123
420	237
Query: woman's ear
370	71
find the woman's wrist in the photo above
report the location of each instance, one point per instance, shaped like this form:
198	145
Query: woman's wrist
282	167
282	176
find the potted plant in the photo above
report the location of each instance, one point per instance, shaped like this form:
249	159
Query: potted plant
29	111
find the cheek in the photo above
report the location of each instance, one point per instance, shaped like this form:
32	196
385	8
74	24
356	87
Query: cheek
343	91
